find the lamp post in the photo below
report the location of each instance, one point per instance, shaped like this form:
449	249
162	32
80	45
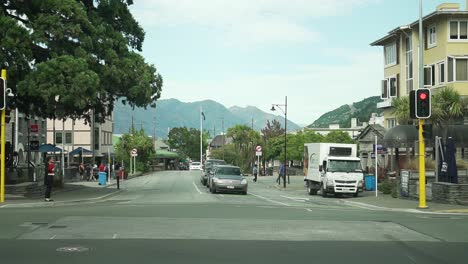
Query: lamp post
285	112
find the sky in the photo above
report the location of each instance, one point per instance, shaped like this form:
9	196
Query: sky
256	52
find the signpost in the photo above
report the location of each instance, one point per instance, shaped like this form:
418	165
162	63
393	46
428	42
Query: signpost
258	153
133	154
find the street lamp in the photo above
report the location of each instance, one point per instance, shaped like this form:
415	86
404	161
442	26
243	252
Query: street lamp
285	112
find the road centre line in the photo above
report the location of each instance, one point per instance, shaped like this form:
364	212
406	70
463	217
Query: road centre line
52	237
115	236
196	187
269	200
309	210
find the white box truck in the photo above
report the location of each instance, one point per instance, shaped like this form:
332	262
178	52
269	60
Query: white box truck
332	168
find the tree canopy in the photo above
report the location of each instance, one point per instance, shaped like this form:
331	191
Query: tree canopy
187	141
69	58
144	145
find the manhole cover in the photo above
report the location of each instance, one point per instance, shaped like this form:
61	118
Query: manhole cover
72	249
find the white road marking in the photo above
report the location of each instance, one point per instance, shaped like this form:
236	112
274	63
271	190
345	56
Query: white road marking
295	198
308	209
198	190
222	195
52	237
266	199
115	236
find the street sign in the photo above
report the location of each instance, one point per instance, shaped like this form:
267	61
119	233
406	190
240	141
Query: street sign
34	128
134	152
34	145
258	153
258	148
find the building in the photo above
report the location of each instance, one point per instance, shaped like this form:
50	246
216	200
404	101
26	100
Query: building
353	131
71	134
445	56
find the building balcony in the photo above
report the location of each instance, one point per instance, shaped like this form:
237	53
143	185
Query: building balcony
386	103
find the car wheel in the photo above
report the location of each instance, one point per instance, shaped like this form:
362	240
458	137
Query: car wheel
311	191
244	193
322	190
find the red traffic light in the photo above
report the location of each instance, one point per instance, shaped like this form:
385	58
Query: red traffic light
423	96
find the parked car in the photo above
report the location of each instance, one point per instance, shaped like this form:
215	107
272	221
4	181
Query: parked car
227	178
208	167
195	166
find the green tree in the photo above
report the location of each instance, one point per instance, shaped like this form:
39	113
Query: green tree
144	145
86	52
187	141
244	140
338	137
401	109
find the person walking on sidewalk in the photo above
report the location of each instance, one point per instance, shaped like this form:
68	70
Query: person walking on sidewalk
255	172
49	179
281	173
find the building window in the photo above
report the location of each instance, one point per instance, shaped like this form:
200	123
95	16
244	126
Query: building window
68	138
58	138
431	37
409	64
457	69
390	54
458	30
391	122
390	87
441	73
429	75
96	138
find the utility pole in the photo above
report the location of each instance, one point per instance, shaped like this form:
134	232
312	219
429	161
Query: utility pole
223	135
2	143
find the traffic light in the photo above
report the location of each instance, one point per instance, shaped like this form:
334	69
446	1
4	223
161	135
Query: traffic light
2	93
423	103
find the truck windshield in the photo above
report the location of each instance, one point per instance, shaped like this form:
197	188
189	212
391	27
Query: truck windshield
344	166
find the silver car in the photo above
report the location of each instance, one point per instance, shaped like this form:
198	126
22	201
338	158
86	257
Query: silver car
226	178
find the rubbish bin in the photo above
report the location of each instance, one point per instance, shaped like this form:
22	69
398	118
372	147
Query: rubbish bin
370	182
102	178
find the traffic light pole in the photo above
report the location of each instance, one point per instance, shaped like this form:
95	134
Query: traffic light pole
422	167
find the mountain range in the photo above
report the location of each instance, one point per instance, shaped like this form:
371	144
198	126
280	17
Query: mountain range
171	113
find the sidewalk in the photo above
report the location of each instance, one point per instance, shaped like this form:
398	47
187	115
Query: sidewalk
72	192
366	199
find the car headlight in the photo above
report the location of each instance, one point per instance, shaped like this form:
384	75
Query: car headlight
244	181
359	183
215	180
330	182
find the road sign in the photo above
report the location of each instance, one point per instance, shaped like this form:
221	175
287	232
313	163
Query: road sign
258	148
258	153
34	128
134	152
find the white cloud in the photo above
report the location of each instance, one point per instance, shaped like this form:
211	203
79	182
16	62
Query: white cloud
311	89
241	21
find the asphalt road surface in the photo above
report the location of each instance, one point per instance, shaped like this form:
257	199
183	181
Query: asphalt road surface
169	217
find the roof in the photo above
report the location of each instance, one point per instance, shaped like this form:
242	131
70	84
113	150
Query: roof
394	33
218	141
159	144
378	130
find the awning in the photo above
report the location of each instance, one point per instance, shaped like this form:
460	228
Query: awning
80	150
49	148
165	154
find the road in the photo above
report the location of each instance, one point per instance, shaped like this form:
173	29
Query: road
169	217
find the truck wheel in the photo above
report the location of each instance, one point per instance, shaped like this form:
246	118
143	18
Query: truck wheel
356	194
322	190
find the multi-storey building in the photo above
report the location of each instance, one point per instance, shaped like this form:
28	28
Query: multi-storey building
70	135
445	56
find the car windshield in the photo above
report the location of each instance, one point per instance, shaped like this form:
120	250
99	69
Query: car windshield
228	171
344	166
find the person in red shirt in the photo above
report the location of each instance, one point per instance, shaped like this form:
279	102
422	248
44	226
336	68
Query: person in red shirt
101	167
49	179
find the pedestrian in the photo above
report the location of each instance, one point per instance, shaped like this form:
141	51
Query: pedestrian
255	172
49	179
81	170
101	167
281	173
